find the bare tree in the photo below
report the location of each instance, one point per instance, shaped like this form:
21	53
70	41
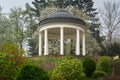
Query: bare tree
110	19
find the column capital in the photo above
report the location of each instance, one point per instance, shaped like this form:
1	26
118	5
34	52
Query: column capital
46	30
61	27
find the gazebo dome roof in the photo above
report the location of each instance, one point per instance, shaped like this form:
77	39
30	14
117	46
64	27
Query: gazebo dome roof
62	13
62	16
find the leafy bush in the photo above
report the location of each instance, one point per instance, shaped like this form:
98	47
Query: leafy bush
14	50
89	66
10	60
7	67
99	74
32	72
104	64
68	68
11	48
57	78
84	78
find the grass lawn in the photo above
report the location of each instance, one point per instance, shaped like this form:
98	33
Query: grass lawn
46	62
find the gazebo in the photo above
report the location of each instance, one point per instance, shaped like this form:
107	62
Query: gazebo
62	25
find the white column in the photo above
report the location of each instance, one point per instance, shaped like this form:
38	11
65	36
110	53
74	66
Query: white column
77	42
40	44
61	41
46	42
83	44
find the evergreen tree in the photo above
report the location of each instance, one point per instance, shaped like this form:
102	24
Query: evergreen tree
30	17
38	6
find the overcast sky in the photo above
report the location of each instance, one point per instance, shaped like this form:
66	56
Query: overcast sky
7	4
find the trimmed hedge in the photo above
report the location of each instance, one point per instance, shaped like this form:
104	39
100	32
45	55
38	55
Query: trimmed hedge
32	72
89	66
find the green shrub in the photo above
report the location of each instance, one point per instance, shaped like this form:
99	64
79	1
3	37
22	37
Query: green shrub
32	72
98	74
89	66
14	50
7	67
104	64
11	48
57	78
10	60
68	68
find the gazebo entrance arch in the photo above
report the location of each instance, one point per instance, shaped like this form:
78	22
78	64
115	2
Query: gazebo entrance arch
59	26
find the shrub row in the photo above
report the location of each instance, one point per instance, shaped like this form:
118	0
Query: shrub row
70	68
67	68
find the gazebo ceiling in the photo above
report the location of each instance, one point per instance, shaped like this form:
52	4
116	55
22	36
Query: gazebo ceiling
62	16
55	33
67	31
